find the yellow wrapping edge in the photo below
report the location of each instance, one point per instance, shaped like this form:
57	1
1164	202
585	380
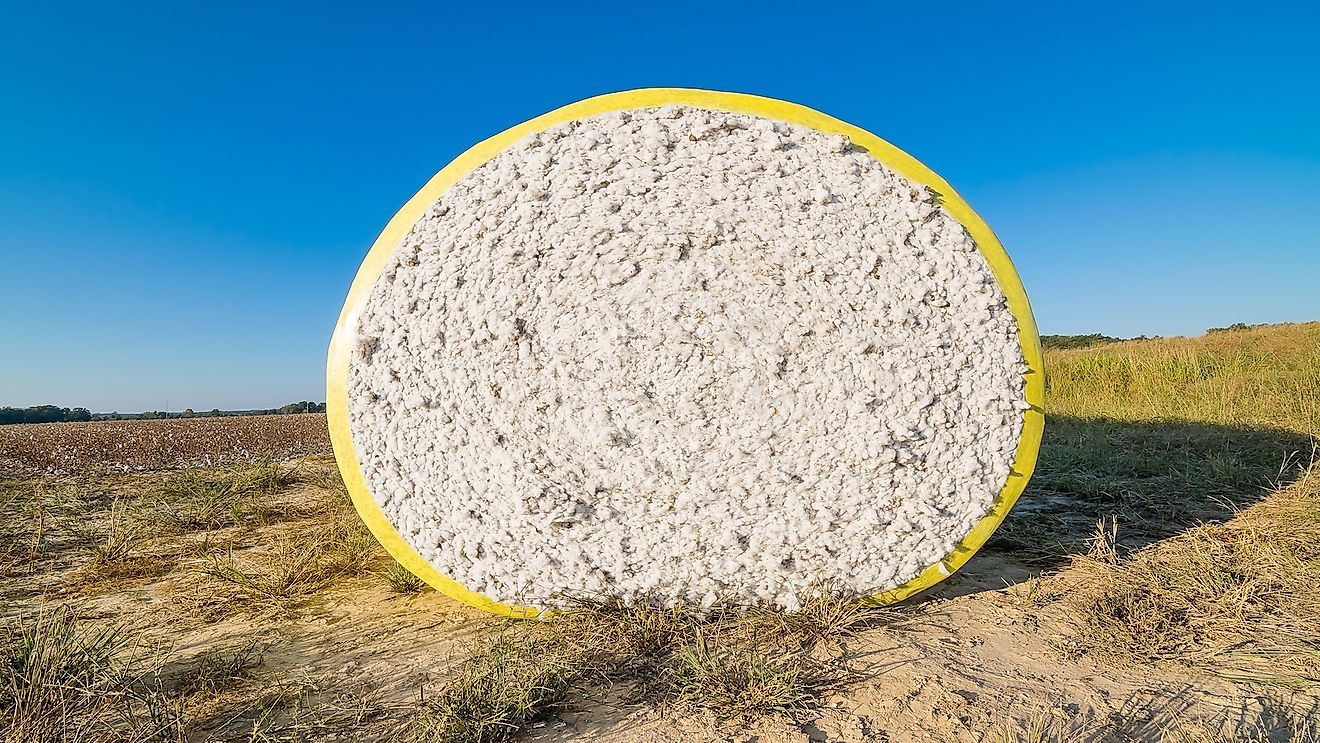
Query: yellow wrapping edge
341	344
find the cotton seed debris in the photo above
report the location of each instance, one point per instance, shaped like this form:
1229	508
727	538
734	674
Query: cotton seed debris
685	356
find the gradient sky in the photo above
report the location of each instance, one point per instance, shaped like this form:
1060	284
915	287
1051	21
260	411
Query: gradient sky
186	190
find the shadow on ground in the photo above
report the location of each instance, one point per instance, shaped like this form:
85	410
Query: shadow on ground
1152	479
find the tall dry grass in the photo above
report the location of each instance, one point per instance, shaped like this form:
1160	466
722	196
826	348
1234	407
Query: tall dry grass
1263	377
1239	599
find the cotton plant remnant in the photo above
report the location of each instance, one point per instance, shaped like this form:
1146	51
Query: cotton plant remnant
685	356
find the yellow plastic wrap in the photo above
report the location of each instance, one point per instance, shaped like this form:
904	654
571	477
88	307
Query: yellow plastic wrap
342	342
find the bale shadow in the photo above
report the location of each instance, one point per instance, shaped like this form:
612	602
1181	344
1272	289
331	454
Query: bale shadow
1147	481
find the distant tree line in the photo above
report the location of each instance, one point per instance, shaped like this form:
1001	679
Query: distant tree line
1238	326
1095	339
43	414
300	407
1082	341
56	414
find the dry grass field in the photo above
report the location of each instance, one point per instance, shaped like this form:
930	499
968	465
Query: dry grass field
207	580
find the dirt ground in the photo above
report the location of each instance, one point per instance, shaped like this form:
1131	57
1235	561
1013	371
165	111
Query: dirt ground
984	656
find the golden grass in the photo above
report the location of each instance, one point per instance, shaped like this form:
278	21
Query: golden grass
1237	598
1161	435
1262	377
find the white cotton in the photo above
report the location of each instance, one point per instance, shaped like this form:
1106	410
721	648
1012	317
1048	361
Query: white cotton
684	356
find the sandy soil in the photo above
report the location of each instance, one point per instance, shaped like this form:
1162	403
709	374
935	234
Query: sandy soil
984	654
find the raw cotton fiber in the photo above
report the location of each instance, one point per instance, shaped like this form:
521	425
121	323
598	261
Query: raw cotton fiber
685	356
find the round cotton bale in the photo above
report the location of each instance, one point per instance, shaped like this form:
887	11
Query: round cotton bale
686	348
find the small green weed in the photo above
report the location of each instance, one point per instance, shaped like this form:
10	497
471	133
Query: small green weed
402	580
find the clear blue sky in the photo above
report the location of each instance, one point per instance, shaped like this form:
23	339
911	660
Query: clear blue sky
186	189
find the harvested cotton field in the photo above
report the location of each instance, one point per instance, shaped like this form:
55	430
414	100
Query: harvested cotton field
685	356
132	445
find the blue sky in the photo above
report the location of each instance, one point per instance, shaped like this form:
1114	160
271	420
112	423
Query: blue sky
186	190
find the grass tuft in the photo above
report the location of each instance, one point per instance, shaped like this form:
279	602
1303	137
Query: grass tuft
402	580
52	656
117	549
61	680
741	683
220	670
824	619
516	678
1269	725
636	633
302	563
